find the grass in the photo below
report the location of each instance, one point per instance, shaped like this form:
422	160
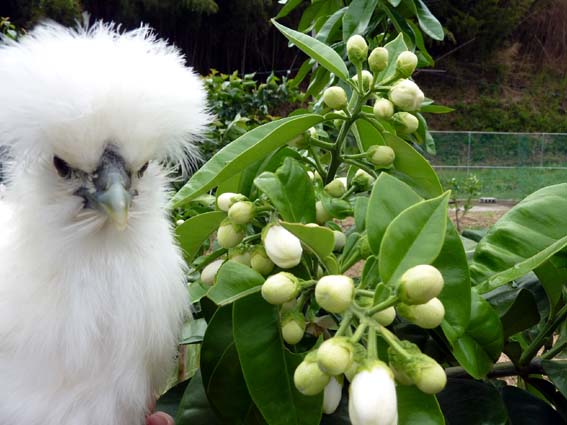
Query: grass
508	183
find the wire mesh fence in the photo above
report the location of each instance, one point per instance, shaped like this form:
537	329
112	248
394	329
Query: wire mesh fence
509	165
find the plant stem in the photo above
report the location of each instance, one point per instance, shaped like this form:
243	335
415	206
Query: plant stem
351	260
371	344
345	323
383	305
537	343
362	166
318	165
555	350
365	292
359	332
321	144
349	192
355	156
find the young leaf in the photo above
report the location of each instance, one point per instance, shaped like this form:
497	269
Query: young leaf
357	17
290	190
413	237
428	23
319	239
288	7
242	152
323	54
394	47
195	230
234	281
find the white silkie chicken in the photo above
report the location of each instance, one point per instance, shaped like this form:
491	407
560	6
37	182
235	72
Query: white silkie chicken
92	293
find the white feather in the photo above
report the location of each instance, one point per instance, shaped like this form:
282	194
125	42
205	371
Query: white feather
89	317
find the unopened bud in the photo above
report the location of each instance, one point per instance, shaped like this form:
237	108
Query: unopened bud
308	378
406	63
293	327
241	212
362	180
260	261
321	214
367	79
378	59
405	123
332	395
428	375
210	272
406	95
357	49
334	356
381	156
334	293
301	141
280	288
227	199
383	109
229	235
386	316
427	316
335	97
282	247
340	240
239	255
419	284
336	188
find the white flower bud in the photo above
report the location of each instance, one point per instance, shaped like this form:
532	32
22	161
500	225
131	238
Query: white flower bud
332	395
405	123
280	288
381	156
239	255
383	109
340	240
378	59
293	327
386	316
308	378
406	95
334	356
334	293
357	49
229	235
367	79
241	212
419	284
362	180
282	247
321	214
225	200
336	188
179	222
372	399
210	271
427	316
260	261
428	375
335	97
406	63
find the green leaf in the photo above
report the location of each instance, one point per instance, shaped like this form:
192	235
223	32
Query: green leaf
193	331
337	208
331	26
323	54
242	152
479	348
394	47
197	290
417	408
436	109
196	230
234	281
527	409
320	239
469	402
357	17
517	308
194	408
366	134
553	279
288	7
527	236
413	237
360	211
222	376
413	168
268	367
428	23
290	190
557	372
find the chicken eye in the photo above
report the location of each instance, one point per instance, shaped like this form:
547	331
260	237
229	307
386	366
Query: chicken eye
63	169
142	170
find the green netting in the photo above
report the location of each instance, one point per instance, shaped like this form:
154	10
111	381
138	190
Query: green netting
509	165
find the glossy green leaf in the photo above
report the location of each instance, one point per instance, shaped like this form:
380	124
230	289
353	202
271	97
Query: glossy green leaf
194	408
553	278
394	47
320	239
557	372
527	409
417	408
268	366
290	190
469	402
222	376
527	236
366	134
196	230
242	152
413	237
480	346
517	308
357	17
331	26
288	7
193	331
197	290
413	168
428	23
234	281
323	54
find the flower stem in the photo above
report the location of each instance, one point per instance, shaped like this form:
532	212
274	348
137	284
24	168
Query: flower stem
361	165
371	344
359	332
345	324
383	305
